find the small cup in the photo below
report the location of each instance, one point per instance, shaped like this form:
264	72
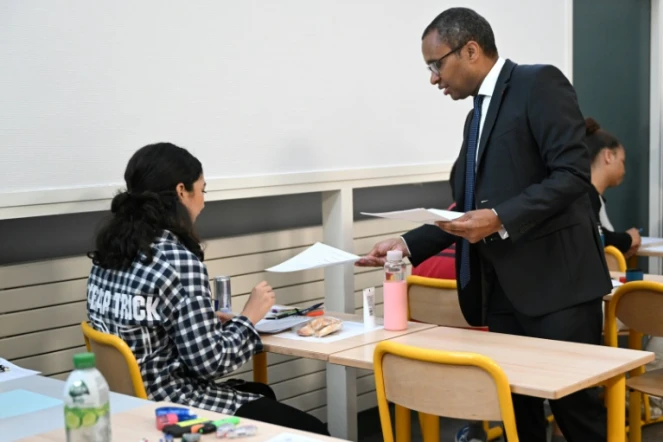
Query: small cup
634	275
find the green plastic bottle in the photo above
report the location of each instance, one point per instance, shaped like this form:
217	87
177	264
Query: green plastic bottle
86	409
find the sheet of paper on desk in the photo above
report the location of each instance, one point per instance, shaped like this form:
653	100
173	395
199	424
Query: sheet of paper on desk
14	372
647	241
18	402
616	283
316	256
349	330
292	437
279	325
419	216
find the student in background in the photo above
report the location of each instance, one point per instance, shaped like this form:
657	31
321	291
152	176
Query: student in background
148	286
608	159
608	168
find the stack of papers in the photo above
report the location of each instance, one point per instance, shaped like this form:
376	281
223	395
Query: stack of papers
419	216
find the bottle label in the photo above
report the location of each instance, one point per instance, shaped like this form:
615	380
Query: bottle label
86	414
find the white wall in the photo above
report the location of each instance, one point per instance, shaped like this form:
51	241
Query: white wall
251	87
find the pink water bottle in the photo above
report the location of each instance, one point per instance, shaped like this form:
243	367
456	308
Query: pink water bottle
395	292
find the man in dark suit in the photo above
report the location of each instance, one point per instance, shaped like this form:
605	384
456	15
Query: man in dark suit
529	259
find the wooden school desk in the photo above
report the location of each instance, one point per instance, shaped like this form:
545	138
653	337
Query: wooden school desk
535	367
341	404
647	277
140	423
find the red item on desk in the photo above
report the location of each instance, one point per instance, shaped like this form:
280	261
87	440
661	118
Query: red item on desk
622	279
166	419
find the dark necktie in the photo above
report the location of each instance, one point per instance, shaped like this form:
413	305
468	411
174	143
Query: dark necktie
470	172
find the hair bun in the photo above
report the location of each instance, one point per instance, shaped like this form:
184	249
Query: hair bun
131	202
591	126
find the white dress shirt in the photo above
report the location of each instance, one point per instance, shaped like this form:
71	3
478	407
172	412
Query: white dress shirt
487	89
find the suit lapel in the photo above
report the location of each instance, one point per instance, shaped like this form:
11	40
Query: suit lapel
495	102
459	178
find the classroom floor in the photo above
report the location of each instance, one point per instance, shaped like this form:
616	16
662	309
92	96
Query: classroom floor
370	431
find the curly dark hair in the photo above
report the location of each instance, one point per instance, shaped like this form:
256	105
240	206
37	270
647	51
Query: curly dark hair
149	205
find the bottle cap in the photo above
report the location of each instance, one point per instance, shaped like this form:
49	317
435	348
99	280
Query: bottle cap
394	255
84	360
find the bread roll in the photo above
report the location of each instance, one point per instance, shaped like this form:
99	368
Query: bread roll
321	326
329	329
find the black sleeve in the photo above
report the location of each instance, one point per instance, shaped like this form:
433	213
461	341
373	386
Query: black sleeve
620	240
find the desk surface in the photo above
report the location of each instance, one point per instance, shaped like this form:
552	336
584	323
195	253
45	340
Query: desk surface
139	423
535	367
25	425
315	349
617	275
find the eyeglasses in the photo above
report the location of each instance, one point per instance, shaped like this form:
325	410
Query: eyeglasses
436	65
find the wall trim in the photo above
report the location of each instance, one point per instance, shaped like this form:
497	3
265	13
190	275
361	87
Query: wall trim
91	199
655	128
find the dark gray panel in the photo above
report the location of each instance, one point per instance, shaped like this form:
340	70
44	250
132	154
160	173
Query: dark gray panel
32	239
611	45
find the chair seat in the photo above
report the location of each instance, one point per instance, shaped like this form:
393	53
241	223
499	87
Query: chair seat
650	382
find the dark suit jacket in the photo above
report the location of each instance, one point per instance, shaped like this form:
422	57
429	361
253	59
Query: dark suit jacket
534	170
621	240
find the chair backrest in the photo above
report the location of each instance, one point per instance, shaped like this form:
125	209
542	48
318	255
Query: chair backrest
615	259
115	361
451	384
434	301
639	305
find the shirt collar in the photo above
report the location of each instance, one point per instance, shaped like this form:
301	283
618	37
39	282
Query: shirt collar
488	84
167	235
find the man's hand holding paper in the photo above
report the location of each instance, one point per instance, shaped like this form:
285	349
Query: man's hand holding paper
474	225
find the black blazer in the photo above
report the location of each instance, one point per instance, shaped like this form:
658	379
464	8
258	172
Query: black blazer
621	240
534	170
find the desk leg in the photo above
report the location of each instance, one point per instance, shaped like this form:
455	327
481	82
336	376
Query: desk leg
260	367
342	401
615	392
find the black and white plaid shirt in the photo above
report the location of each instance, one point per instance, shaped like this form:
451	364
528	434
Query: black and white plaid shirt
163	311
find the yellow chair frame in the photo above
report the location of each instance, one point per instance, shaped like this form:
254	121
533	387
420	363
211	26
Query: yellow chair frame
431	424
90	334
443	358
635	421
618	256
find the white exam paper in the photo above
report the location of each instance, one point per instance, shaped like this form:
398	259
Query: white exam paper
292	437
420	216
648	241
15	372
316	256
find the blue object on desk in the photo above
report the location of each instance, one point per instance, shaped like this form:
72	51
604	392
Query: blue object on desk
18	402
634	275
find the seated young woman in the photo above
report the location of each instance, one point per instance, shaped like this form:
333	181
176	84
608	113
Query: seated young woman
608	157
149	286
